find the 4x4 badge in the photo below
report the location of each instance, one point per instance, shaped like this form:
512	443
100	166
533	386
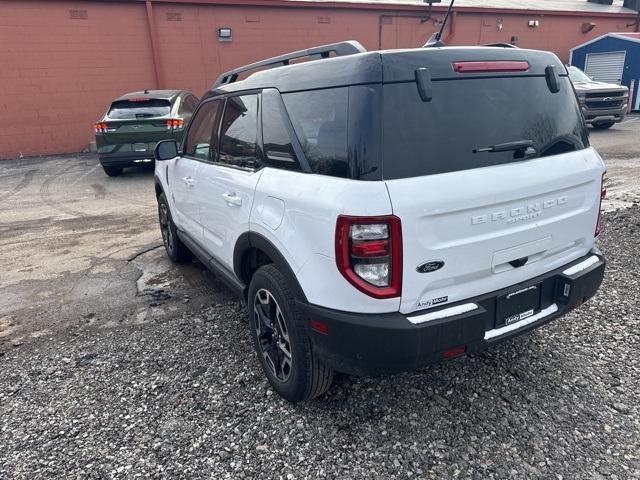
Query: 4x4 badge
430	266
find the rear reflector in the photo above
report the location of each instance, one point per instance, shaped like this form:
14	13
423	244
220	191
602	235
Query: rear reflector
319	326
454	352
491	66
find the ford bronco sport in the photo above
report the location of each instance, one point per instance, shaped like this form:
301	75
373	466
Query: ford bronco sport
380	211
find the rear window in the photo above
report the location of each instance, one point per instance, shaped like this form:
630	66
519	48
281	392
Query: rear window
145	108
466	115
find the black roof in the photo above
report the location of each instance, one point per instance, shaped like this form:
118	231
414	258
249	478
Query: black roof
159	94
383	66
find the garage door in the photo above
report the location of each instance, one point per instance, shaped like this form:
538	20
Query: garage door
606	67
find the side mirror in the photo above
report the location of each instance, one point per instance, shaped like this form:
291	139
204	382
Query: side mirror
166	150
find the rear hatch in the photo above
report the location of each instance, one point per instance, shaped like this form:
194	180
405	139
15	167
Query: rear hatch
136	124
490	172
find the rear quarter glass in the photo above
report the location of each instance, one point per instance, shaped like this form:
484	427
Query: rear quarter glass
440	136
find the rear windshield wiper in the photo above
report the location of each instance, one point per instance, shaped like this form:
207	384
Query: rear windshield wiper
521	148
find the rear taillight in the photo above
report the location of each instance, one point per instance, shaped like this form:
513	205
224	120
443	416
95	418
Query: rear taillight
100	127
175	124
603	194
369	254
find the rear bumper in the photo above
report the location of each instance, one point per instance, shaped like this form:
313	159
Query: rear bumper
126	159
373	344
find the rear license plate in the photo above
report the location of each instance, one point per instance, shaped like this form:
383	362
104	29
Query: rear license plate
139	147
518	305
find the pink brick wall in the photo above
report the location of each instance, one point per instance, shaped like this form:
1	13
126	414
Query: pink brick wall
59	74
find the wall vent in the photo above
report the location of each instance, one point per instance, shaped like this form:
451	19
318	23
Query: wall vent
174	17
324	19
78	14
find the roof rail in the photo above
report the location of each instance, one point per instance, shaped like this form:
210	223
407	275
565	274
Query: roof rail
340	49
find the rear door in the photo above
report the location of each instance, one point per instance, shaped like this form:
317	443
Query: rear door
227	184
137	124
475	220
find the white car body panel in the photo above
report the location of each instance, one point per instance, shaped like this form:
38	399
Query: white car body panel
225	196
306	233
183	173
477	221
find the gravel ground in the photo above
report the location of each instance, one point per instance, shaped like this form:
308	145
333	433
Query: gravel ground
183	397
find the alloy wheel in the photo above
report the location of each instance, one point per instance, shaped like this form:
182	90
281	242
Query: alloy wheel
273	335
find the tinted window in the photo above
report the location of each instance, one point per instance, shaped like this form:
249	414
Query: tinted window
239	132
139	108
199	139
275	135
188	105
320	122
422	138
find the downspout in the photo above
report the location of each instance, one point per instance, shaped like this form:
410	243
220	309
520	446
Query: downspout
452	27
153	36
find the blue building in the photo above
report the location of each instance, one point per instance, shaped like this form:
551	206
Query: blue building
612	58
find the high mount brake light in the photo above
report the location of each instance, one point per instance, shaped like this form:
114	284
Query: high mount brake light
369	254
491	66
139	99
175	124
603	195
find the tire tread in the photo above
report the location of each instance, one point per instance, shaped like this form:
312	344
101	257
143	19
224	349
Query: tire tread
319	376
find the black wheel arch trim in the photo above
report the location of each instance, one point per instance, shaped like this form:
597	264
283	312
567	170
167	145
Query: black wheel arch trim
249	240
158	185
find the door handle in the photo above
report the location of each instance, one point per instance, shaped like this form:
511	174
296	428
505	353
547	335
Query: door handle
232	199
189	181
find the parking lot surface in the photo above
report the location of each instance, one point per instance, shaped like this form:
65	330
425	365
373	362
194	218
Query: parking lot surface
116	364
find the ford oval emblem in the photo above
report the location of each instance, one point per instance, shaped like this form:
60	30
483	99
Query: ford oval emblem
430	266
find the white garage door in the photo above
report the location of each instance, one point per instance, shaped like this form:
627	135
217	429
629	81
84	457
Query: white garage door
606	67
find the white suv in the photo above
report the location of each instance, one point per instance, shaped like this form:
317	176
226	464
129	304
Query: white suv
380	211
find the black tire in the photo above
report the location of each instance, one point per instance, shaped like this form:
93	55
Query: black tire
112	171
176	250
306	377
603	125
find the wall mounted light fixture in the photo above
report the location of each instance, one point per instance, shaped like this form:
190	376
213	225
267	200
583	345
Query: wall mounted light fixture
225	34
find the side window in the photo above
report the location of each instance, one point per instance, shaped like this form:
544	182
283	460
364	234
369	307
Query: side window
320	121
239	132
278	150
189	105
199	142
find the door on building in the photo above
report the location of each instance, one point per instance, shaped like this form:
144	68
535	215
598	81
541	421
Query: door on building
606	67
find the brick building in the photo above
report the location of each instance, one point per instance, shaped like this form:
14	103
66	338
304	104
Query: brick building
63	61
